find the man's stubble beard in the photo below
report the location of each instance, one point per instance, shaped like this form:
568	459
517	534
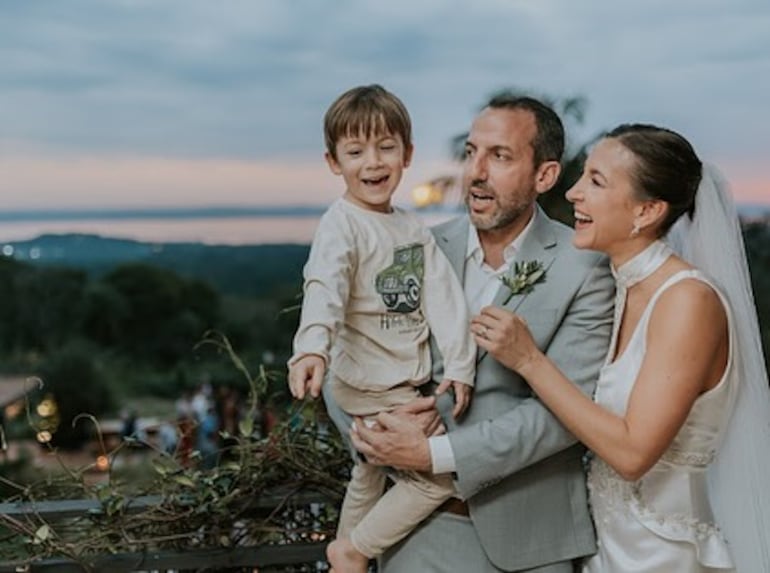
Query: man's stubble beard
504	215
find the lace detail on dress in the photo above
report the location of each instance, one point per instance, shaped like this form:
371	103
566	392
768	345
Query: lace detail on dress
692	459
610	493
609	490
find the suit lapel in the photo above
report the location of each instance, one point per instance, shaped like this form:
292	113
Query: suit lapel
453	240
538	245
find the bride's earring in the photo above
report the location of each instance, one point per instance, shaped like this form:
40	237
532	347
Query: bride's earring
636	230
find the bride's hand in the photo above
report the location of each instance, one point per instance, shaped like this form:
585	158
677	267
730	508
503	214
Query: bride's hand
505	336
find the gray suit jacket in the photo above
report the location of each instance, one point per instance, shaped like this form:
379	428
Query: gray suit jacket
517	466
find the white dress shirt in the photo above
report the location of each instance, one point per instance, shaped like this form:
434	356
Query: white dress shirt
480	283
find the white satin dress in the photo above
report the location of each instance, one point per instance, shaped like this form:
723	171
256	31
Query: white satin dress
661	523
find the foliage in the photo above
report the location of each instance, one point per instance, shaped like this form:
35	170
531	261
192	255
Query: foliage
76	385
137	310
49	306
757	240
198	508
137	322
526	274
259	271
160	314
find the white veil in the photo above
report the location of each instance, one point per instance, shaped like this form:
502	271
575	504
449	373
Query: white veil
738	486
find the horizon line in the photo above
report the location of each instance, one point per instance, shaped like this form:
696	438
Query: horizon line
213	211
231	211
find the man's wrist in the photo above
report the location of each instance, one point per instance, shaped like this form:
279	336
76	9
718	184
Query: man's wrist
441	455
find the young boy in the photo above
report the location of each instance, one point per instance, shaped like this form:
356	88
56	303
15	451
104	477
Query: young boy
376	286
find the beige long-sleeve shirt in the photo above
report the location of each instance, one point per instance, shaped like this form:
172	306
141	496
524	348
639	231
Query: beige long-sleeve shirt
376	286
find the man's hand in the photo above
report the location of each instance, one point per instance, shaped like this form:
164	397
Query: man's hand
423	412
400	443
307	375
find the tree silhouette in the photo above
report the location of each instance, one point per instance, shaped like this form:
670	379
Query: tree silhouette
757	238
78	385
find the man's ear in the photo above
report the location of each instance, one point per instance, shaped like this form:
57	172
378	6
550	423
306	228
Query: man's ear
547	175
332	163
408	151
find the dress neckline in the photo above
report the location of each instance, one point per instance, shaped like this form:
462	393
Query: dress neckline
641	265
633	271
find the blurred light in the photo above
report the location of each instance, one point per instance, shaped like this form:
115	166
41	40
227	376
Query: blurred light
268	357
8	250
13	410
315	536
427	194
43	437
46	408
102	463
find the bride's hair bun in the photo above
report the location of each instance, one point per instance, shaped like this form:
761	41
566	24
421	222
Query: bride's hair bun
667	167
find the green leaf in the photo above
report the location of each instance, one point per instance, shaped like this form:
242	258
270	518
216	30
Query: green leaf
42	534
246	427
184	480
526	274
160	468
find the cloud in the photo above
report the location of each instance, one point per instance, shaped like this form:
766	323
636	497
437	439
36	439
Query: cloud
75	181
249	80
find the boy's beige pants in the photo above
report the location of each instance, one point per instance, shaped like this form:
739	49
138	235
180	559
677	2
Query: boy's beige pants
375	522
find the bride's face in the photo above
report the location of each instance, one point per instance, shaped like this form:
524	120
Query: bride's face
603	199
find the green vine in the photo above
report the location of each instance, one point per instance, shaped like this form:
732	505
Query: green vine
193	507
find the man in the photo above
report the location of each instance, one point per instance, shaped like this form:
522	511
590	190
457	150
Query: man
519	470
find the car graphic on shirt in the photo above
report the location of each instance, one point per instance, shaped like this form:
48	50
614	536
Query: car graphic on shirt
400	285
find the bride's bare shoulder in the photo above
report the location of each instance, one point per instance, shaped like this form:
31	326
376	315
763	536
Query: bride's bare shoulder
691	302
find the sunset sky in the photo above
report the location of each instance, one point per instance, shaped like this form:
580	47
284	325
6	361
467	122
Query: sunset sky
126	103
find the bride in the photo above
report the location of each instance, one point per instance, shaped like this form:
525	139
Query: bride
680	421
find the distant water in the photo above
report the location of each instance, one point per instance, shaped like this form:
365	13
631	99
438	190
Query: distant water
212	230
213	226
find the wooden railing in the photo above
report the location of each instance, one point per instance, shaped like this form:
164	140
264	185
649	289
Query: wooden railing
267	558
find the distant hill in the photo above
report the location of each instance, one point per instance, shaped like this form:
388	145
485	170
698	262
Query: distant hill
161	213
242	270
754	211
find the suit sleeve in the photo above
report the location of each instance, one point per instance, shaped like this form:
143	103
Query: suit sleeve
489	451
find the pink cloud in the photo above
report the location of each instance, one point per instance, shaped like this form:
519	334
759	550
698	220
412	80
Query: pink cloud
750	182
33	182
39	182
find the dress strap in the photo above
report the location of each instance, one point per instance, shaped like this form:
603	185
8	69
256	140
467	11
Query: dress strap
679	276
697	275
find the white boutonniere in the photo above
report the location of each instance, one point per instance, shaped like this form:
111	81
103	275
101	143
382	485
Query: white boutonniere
525	276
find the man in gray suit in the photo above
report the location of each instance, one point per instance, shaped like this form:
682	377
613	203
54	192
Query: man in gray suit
520	471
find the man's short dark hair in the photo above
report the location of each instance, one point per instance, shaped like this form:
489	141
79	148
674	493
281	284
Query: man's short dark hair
548	144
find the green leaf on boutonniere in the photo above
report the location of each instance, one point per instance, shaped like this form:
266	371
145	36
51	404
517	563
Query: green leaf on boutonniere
526	275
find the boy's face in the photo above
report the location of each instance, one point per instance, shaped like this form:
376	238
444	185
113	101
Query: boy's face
371	167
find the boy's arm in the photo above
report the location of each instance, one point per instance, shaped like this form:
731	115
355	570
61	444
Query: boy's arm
446	312
327	278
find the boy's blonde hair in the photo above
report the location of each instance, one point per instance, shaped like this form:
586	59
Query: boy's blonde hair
366	110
